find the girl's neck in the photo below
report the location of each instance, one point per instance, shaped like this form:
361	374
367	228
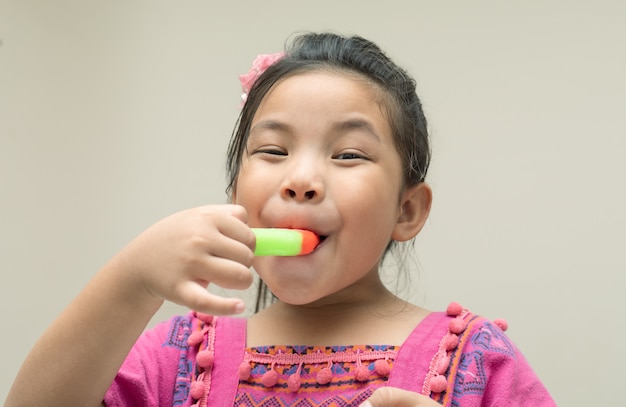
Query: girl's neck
365	316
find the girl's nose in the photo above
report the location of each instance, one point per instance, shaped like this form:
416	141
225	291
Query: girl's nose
303	185
300	195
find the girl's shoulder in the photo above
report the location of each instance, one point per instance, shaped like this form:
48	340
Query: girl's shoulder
158	368
476	363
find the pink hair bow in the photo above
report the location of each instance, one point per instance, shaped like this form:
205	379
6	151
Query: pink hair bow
260	64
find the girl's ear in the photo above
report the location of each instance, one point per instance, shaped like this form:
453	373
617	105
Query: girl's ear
414	209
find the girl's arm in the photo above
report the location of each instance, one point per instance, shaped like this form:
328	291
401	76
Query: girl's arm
77	357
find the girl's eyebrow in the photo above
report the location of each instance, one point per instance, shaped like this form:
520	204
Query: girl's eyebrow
271	125
358	124
340	126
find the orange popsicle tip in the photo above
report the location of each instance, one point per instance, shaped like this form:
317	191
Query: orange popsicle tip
309	241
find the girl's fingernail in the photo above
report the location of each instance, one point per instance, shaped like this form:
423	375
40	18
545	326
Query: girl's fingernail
240	307
366	404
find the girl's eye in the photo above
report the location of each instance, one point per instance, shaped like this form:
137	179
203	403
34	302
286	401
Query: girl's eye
271	151
349	156
275	152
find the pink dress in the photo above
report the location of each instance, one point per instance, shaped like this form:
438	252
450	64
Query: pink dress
455	357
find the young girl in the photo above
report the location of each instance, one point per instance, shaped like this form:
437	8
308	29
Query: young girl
331	139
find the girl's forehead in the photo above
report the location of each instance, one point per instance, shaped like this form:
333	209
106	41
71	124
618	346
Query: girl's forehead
304	88
331	73
321	94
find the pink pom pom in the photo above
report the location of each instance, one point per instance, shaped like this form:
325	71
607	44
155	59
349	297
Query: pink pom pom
443	364
270	378
195	338
438	384
362	373
451	342
456	326
382	367
502	324
204	317
454	309
205	358
244	371
293	382
197	390
324	376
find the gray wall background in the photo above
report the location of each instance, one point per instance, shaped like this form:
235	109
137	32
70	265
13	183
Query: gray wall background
115	114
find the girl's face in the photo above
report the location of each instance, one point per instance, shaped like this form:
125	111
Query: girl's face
321	156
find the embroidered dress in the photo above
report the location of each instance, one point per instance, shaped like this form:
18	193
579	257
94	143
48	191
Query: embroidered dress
343	375
457	358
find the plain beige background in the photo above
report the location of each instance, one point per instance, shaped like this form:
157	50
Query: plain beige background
116	113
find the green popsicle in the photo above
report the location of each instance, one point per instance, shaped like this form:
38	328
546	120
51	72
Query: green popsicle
284	242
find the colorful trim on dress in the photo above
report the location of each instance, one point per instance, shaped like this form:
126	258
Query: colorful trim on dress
314	375
448	361
202	337
343	375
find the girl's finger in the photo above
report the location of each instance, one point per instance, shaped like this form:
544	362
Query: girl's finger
394	397
193	296
224	273
229	248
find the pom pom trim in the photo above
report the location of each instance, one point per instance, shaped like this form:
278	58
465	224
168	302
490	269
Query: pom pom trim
436	380
202	338
361	359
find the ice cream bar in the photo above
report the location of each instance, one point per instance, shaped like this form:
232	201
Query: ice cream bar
284	242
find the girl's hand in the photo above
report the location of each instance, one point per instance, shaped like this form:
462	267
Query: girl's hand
394	397
177	258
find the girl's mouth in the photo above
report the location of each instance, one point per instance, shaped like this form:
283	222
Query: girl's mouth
321	238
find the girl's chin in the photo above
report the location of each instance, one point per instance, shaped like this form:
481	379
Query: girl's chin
296	291
298	268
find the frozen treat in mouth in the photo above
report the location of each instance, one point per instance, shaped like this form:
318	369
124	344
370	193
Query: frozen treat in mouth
284	242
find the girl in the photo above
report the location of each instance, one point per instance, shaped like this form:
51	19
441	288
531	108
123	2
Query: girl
331	139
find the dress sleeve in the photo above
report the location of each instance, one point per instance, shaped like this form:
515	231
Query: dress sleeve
489	370
158	369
